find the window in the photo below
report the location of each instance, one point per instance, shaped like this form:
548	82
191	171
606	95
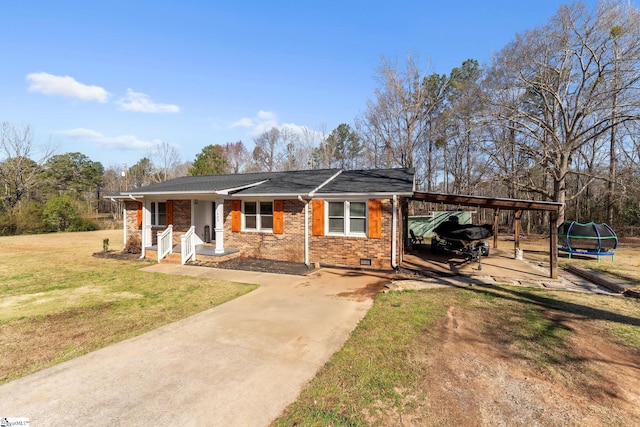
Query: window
336	217
158	213
357	217
258	216
348	218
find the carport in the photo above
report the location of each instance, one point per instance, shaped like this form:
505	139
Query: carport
497	204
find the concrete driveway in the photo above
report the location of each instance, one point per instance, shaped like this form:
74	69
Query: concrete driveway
238	364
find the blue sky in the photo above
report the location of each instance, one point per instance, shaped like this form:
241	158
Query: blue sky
112	78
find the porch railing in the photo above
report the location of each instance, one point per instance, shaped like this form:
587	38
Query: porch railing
188	245
165	242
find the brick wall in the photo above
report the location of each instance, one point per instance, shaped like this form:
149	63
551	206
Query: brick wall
181	219
131	219
338	251
181	215
345	251
288	246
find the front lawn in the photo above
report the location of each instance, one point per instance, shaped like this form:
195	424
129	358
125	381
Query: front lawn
57	301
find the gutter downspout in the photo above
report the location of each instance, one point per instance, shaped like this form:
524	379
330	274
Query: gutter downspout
306	230
124	228
394	232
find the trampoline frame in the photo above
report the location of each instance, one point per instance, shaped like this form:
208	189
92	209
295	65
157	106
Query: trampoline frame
598	252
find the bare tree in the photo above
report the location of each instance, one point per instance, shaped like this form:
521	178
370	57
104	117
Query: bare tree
560	74
165	158
395	118
19	171
237	156
279	149
294	155
267	151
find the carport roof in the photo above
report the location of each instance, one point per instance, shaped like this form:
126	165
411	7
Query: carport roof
487	202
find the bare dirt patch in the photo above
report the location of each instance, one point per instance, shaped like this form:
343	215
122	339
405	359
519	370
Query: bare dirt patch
482	355
472	378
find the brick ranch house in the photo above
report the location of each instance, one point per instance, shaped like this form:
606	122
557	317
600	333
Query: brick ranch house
326	217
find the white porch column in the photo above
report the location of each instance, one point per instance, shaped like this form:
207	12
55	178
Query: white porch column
144	238
124	228
219	226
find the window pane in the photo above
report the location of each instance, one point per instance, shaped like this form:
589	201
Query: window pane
336	209
250	221
162	213
250	208
266	221
357	209
266	208
336	225
357	225
153	213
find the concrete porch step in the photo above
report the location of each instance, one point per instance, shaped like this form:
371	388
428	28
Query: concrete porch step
213	259
173	258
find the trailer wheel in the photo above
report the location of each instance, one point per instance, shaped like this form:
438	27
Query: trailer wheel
435	246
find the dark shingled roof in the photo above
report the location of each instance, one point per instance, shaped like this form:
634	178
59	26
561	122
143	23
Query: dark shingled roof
392	181
294	182
396	181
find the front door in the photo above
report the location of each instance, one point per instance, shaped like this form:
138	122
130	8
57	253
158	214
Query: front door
201	217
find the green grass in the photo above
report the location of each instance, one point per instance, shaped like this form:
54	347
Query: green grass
58	302
373	368
382	368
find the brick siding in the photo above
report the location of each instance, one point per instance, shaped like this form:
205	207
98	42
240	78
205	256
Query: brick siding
346	251
288	246
337	251
131	219
181	219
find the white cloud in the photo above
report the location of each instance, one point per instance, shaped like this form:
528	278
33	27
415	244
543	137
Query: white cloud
121	142
265	120
50	84
244	122
141	103
262	122
266	115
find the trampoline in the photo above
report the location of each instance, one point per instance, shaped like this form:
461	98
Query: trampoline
587	239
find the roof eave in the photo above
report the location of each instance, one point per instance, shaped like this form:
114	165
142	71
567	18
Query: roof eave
376	194
269	195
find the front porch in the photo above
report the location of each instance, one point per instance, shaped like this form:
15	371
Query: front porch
205	252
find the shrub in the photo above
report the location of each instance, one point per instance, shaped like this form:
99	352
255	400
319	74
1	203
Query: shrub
59	213
82	224
134	245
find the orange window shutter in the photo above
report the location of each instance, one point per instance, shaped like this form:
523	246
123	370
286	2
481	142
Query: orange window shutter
236	222
278	216
139	215
318	217
169	212
375	219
